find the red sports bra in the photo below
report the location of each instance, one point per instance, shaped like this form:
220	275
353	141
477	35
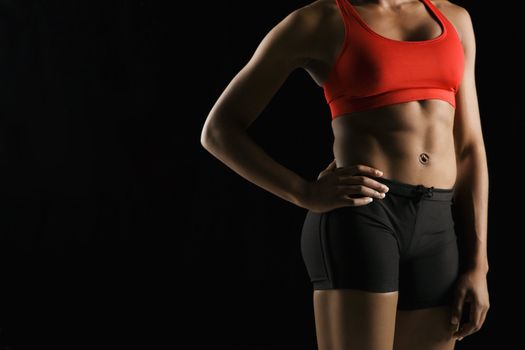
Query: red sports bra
373	71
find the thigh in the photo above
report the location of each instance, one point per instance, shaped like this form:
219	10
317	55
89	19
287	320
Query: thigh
427	329
361	249
349	319
426	289
351	248
428	280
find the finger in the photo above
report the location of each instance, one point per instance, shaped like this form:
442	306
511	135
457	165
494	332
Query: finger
355	202
360	169
361	190
474	323
484	316
476	312
465	330
331	167
457	306
363	180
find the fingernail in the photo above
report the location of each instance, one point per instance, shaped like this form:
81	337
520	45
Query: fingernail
454	320
460	339
379	172
385	188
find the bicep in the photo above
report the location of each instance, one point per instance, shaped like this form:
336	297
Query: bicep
278	54
467	123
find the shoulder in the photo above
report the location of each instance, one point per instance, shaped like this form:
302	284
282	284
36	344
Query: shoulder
311	17
458	16
300	32
455	10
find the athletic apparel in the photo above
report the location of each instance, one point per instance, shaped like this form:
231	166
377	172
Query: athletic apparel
373	71
404	242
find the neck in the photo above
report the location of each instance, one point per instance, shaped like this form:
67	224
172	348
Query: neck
390	4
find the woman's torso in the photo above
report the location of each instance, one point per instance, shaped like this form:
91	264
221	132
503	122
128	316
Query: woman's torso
411	141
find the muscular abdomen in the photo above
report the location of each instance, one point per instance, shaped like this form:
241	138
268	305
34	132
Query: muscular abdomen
410	142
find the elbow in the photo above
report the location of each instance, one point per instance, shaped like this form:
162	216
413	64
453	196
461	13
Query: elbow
217	130
212	136
207	138
208	132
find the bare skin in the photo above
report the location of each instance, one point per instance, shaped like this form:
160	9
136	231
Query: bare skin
352	319
419	142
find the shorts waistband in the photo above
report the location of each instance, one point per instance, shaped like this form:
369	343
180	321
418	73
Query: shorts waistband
417	191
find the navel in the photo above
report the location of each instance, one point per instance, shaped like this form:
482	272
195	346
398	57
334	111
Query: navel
424	158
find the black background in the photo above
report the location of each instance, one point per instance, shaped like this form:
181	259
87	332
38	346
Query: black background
119	230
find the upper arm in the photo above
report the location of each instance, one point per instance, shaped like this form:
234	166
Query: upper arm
467	123
282	50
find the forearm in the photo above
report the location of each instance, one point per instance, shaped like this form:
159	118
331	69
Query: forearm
471	201
235	148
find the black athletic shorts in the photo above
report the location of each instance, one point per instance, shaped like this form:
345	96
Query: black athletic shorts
404	242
